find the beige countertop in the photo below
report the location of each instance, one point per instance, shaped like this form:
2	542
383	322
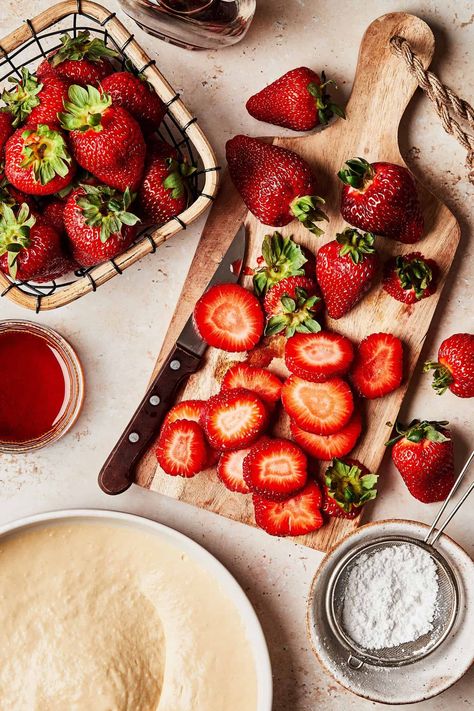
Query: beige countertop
119	329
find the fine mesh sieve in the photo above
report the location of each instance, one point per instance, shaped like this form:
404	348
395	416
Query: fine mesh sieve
447	601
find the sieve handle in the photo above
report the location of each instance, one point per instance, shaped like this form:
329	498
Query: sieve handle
456	484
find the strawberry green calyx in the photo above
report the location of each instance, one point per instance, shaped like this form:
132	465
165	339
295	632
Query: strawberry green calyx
307	210
414	274
297	315
325	107
348	486
84	110
178	173
6	198
356	172
107	208
283	258
21	100
355	244
418	430
442	376
15	234
45	151
81	47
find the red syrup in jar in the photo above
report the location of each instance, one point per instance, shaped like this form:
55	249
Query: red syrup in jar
34	386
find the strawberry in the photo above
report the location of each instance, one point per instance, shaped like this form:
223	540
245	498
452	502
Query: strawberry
381	198
230	470
13	197
229	317
297	100
410	277
329	446
282	258
37	160
423	454
164	190
378	366
182	449
320	408
234	419
185	410
348	485
80	60
275	183
318	356
345	269
292	305
275	469
98	223
6	128
33	102
105	140
293	517
258	380
53	213
455	366
137	96
29	250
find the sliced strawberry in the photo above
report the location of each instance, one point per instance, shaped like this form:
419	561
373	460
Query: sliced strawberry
182	449
293	517
275	469
260	381
229	317
185	410
318	356
348	485
230	470
378	366
234	419
329	446
320	408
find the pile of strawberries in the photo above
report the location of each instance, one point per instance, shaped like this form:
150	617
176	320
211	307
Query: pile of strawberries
83	169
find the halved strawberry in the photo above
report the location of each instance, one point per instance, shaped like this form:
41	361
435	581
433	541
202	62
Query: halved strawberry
259	380
234	419
378	366
329	446
320	408
182	449
230	470
348	485
275	469
185	410
293	517
318	356
229	317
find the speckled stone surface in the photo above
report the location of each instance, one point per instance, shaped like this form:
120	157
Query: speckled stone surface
118	330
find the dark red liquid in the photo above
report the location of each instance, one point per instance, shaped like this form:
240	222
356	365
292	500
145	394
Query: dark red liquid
34	386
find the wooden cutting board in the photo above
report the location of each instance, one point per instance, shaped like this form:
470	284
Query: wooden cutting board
382	89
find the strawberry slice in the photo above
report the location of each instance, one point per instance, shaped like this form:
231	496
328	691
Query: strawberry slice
234	419
185	410
229	317
318	356
260	381
329	446
348	485
230	470
182	449
293	517
320	408
378	366
275	469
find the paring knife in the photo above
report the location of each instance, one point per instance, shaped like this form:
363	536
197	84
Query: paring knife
117	474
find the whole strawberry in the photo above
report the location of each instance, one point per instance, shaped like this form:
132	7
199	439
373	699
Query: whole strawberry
455	366
137	97
37	160
381	198
282	258
348	485
53	213
80	60
164	190
275	183
9	195
33	102
98	223
345	269
423	454
105	140
297	100
6	128
30	250
291	306
410	277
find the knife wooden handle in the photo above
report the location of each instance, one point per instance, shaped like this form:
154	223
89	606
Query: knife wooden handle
117	474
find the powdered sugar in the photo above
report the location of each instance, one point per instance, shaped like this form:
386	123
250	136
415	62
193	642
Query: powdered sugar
390	597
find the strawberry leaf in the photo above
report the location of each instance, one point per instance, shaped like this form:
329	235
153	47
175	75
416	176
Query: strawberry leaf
283	258
81	47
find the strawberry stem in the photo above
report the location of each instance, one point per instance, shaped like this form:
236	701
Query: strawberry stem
282	257
21	100
107	208
418	430
307	210
176	180
296	317
81	47
347	485
14	234
85	109
356	244
356	173
413	274
46	153
326	108
442	376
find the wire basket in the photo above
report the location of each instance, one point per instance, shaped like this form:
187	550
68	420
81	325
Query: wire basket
26	47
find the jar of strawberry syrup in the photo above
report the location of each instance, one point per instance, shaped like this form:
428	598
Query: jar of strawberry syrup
41	386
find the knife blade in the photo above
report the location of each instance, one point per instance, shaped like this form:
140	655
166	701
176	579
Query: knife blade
117	473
